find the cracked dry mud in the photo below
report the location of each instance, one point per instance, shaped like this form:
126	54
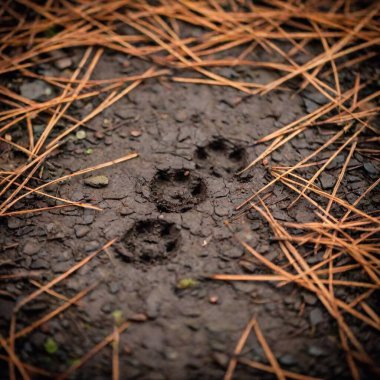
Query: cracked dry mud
167	209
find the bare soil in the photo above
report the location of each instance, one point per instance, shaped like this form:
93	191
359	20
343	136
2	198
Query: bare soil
167	210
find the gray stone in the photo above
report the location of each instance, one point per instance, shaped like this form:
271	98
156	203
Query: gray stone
88	218
126	113
248	266
233	252
97	181
153	304
181	116
106	308
327	180
113	287
65	256
40	264
81	231
170	354
63	63
304	215
370	168
77	196
31	247
290	300
125	211
35	90
316	317
310	299
14	223
92	246
287	359
316	351
221	210
184	133
310	105
60	267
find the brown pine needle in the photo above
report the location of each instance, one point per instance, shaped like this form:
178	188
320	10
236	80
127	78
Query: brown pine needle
110	338
269	354
342	237
239	347
64	275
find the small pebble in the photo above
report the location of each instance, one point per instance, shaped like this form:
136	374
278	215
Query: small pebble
99	135
81	231
310	299
125	211
114	287
31	247
107	123
106	308
316	317
370	168
63	63
287	359
14	223
35	90
171	354
135	133
327	181
40	264
316	351
92	246
181	116
97	181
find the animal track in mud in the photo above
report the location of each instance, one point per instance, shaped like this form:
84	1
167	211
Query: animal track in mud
177	190
221	157
151	241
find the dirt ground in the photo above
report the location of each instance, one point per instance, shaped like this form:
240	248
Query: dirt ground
167	209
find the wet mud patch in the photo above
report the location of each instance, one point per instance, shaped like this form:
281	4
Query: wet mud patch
177	190
221	158
150	241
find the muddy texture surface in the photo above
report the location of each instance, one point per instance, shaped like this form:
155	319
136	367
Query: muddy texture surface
177	190
150	241
167	208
